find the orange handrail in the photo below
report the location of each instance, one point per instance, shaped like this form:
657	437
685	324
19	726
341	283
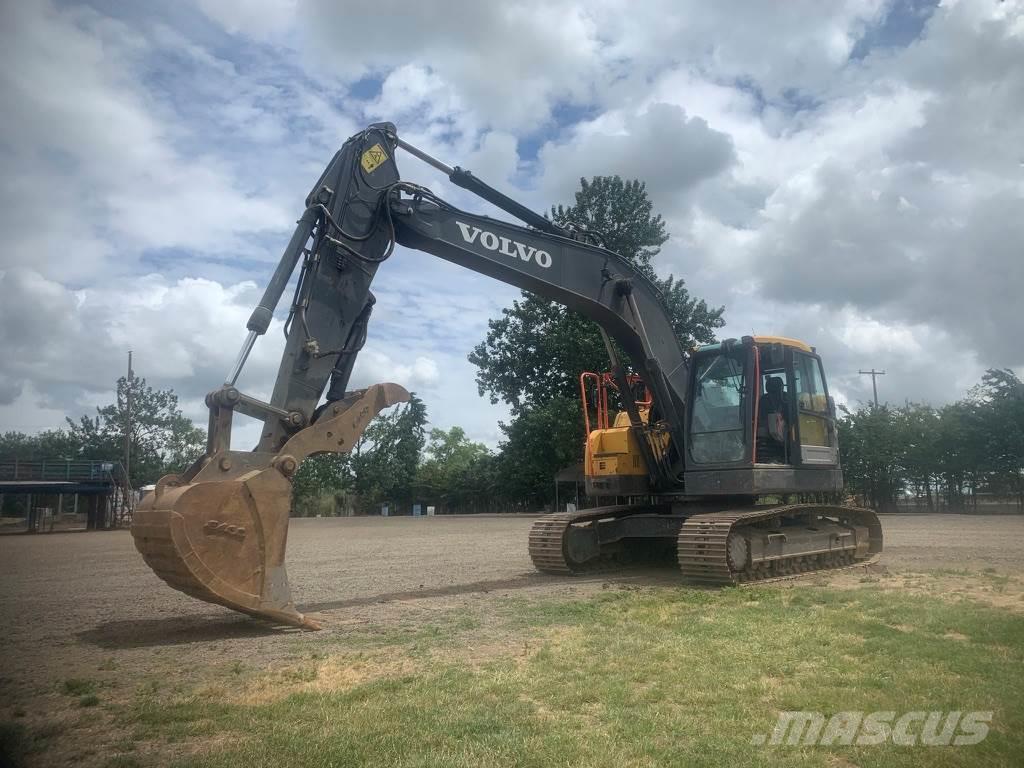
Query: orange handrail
603	382
602	400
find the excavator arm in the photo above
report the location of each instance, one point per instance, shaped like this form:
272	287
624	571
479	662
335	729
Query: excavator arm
218	531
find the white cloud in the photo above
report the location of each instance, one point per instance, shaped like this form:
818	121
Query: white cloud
671	152
91	173
262	19
375	366
71	345
66	348
508	61
775	47
151	169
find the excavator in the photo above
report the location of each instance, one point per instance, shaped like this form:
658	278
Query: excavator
726	454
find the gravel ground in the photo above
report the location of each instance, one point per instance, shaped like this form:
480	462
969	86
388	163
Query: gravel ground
71	604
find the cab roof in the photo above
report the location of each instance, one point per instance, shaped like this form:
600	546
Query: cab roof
783	340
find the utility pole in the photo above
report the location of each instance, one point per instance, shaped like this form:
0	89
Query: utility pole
128	423
874	381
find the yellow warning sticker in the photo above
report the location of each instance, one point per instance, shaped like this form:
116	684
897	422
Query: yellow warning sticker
373	158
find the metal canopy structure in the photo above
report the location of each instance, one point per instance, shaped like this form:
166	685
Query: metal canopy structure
104	483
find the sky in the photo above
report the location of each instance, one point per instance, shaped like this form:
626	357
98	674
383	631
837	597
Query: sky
848	173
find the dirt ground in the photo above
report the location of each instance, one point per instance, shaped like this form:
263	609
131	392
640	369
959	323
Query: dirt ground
84	605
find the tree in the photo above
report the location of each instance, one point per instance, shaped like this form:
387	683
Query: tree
950	454
386	457
538	443
457	473
920	424
871	452
47	445
1000	416
534	353
998	384
620	214
322	476
448	455
381	467
163	440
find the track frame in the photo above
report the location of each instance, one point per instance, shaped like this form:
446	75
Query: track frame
587	540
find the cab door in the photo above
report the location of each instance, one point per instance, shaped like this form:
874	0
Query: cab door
815	428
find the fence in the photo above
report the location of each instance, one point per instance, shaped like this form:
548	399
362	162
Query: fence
111	472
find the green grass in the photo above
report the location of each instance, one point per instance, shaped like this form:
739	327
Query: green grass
657	677
17	741
123	761
77	687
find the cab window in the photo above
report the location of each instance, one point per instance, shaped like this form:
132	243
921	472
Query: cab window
809	384
716	426
814	416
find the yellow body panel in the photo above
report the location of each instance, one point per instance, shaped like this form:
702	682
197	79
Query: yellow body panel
615	451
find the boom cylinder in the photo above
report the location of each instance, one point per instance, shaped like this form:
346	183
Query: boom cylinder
259	321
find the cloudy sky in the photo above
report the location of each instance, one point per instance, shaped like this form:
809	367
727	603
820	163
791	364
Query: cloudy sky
851	173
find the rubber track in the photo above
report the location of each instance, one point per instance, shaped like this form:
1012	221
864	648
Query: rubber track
548	534
546	537
703	541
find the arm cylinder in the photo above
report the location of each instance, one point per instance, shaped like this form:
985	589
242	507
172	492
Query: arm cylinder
447	170
460	177
465	179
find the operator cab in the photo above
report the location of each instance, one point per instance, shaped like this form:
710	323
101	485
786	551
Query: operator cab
760	418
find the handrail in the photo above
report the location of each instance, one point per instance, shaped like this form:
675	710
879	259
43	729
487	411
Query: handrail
61	469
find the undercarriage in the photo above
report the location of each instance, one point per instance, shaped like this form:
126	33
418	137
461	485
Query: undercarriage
727	546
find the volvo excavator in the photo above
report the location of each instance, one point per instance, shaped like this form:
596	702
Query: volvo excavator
726	454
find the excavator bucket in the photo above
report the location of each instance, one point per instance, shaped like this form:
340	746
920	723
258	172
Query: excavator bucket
219	532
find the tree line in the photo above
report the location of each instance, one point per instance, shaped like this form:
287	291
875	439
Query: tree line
163	439
398	462
946	457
